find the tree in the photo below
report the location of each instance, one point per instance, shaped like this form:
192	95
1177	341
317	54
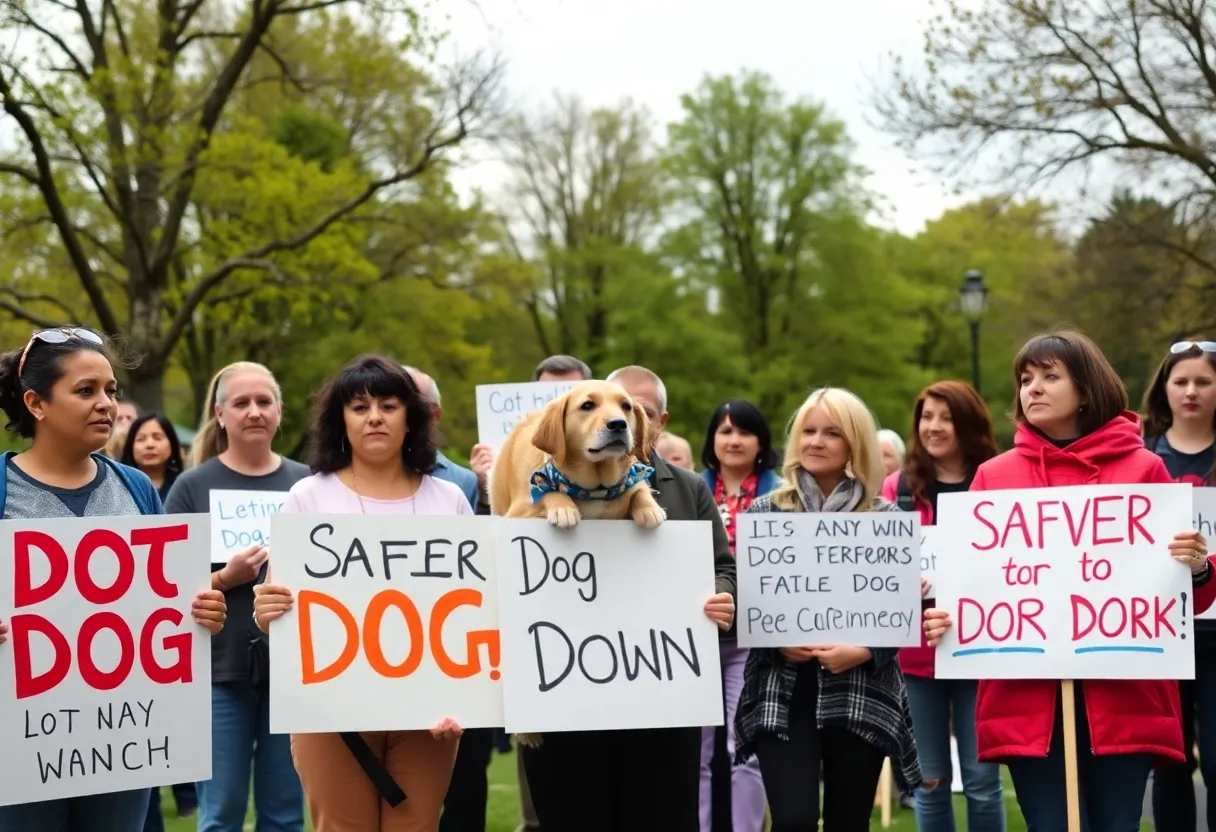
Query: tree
120	111
1041	87
772	207
587	193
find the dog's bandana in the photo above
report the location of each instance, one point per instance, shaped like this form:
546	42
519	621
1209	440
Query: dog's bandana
549	479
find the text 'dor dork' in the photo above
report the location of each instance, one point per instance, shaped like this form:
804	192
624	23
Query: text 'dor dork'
240	519
603	626
1065	583
847	578
500	406
395	624
105	683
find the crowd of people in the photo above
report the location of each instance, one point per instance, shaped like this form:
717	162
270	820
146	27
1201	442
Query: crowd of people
807	729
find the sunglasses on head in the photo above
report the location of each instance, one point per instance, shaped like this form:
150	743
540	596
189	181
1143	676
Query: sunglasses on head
59	335
1187	346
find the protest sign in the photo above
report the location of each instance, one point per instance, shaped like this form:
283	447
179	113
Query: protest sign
833	578
500	406
395	624
1065	583
1204	517
240	519
603	626
106	679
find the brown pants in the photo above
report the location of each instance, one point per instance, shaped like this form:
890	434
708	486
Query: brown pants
341	797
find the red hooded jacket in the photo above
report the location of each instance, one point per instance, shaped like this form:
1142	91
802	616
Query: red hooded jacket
913	661
1014	718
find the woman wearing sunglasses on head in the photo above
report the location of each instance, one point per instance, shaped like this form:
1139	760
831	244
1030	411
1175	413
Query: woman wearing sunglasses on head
1180	427
60	393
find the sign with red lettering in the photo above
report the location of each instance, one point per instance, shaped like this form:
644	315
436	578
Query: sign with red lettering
1065	583
105	683
395	624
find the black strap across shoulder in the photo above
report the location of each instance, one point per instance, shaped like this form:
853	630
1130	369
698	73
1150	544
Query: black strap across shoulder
903	494
374	768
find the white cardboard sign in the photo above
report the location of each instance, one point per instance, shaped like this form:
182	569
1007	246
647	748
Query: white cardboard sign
1065	583
240	519
105	682
500	406
603	626
831	578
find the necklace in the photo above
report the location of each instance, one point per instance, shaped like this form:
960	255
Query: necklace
354	483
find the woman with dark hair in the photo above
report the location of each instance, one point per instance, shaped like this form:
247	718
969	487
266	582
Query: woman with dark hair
739	459
1180	427
373	451
60	393
152	446
951	438
1074	428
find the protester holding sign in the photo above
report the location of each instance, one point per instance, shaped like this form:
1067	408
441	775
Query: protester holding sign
739	460
232	452
951	438
60	392
837	706
1073	429
373	448
1180	427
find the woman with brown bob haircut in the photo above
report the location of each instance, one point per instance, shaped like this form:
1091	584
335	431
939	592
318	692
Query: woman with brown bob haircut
951	437
1074	429
373	451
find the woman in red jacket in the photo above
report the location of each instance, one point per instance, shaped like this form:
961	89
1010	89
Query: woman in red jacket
1073	428
951	438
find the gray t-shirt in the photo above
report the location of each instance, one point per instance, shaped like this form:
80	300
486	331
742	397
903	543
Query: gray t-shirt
28	499
191	494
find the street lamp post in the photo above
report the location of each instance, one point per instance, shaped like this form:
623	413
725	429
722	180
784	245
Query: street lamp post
973	300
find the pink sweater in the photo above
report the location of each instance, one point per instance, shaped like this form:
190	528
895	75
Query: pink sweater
325	494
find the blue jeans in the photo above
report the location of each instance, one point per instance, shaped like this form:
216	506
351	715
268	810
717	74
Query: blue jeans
114	812
241	744
1111	786
933	702
1174	786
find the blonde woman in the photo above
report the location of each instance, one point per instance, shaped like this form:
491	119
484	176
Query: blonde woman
232	451
839	706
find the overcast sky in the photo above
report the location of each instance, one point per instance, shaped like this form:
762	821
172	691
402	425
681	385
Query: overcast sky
655	50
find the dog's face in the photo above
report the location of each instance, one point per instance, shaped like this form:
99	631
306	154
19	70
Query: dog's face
595	420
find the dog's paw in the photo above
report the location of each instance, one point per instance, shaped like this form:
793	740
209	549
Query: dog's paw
565	517
649	517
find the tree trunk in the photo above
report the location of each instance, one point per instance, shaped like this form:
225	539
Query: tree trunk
146	385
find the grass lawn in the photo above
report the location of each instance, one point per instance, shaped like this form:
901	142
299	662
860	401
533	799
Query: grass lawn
503	812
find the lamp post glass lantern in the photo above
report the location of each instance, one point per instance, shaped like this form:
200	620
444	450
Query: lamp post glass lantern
973	300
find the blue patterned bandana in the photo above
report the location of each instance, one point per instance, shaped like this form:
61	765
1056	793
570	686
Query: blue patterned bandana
549	479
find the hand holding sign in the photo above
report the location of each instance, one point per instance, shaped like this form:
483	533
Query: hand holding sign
3	632
1191	549
244	567
720	609
270	601
209	611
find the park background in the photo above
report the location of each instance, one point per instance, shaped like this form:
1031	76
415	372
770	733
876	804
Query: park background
751	197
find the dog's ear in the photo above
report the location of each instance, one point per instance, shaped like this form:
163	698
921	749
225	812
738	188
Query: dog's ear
550	435
642	438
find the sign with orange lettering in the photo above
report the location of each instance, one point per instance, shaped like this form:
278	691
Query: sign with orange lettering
395	624
604	626
105	682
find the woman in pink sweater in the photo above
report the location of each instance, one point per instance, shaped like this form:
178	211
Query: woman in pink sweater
373	449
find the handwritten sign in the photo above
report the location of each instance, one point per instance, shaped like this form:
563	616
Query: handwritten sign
395	624
240	519
1204	518
834	578
500	406
105	684
603	626
1065	583
928	557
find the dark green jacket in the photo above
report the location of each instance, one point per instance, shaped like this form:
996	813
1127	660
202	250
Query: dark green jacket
685	496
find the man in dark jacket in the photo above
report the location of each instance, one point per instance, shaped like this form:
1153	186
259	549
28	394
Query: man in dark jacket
635	780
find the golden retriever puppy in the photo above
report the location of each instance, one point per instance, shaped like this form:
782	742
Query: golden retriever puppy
578	457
